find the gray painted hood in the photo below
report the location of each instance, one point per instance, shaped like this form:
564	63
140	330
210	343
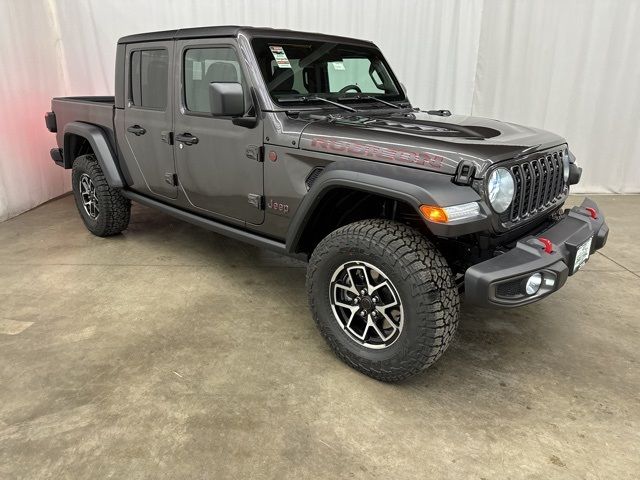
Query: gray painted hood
426	141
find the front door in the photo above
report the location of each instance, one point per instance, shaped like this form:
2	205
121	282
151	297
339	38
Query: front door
217	162
148	116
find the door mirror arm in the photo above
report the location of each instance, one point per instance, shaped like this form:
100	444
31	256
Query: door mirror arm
249	122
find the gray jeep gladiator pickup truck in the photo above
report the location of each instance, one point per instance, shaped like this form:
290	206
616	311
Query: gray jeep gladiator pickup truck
307	144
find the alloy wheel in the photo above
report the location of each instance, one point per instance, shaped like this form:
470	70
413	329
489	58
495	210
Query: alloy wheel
366	304
88	196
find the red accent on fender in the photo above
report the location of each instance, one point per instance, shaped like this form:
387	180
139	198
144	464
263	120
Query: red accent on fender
592	212
388	154
548	246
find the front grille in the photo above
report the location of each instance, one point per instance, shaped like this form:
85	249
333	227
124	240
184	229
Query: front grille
539	183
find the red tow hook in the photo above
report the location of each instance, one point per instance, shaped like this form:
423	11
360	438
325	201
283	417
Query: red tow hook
548	246
592	212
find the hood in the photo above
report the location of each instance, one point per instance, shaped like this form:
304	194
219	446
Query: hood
426	141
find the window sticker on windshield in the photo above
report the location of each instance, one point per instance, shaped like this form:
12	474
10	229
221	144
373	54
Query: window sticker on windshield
338	65
280	56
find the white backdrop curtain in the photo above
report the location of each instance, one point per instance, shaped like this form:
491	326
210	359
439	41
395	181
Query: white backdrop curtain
32	72
567	66
571	67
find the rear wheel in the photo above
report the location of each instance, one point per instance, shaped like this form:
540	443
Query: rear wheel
383	297
103	209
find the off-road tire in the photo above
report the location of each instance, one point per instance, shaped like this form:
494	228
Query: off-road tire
423	281
114	209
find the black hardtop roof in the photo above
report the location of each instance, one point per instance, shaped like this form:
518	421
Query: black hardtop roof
233	31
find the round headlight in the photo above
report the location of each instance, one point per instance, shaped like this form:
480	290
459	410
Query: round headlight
565	165
500	189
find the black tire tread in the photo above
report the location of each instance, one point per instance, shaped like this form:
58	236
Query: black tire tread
432	284
115	209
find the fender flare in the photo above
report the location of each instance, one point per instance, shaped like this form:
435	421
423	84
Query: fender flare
101	146
412	186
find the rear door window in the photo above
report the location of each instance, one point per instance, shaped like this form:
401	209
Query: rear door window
149	78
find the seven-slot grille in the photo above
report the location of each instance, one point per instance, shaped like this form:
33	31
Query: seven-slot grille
538	184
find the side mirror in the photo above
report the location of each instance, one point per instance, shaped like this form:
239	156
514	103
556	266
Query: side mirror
226	99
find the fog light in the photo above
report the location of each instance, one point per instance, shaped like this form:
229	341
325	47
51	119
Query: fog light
533	284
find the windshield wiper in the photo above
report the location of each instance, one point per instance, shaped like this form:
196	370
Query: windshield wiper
337	104
376	99
314	98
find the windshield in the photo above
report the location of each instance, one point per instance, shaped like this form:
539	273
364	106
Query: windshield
297	70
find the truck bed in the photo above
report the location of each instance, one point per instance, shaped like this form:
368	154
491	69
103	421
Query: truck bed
98	110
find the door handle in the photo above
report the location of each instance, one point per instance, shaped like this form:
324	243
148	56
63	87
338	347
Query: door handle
137	130
186	138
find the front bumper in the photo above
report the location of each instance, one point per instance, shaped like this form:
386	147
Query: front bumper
501	280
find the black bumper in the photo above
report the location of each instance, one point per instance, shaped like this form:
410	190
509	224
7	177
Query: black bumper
501	281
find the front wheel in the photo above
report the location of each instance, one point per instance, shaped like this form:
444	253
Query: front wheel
383	297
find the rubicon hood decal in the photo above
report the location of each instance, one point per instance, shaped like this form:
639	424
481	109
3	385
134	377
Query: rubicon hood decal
421	141
366	150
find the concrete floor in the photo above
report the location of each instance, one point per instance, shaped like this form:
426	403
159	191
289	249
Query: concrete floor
172	352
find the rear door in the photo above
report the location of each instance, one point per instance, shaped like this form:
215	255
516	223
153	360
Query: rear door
221	172
148	116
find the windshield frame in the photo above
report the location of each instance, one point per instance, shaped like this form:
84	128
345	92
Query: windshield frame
298	102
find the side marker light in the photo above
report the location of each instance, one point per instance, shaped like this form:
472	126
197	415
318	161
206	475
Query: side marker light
434	214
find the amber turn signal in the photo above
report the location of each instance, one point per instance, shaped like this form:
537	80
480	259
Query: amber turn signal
434	214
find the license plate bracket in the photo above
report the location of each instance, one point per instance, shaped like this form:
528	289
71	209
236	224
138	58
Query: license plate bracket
582	255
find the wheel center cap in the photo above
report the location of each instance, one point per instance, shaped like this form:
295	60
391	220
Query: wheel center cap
366	303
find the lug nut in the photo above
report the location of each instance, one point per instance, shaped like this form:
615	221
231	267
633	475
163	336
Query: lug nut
363	292
356	300
375	300
362	313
